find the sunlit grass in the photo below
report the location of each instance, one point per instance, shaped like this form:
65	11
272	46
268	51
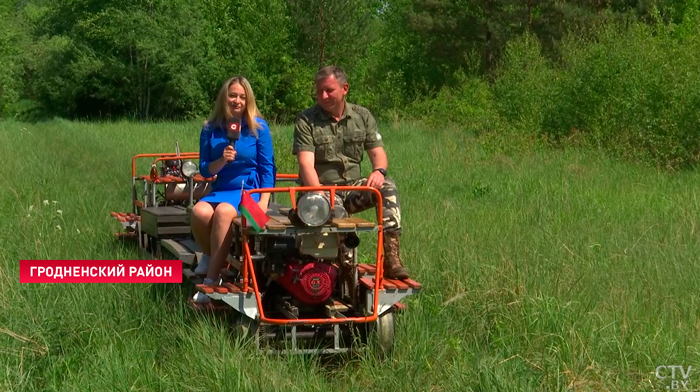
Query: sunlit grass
543	270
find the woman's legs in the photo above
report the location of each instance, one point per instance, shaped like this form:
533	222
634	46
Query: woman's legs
201	222
221	238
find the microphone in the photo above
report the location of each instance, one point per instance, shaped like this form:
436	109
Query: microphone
233	132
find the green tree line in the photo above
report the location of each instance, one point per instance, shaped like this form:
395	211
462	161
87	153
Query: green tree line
620	72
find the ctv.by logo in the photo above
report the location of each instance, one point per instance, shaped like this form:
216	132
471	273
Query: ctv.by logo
675	377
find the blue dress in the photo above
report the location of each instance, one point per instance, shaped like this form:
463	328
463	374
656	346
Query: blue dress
254	166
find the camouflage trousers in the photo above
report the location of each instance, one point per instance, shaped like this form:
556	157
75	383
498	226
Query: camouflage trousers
358	201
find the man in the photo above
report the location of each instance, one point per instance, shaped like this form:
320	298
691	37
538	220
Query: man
329	139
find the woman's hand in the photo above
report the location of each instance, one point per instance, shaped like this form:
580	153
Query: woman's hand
264	201
229	154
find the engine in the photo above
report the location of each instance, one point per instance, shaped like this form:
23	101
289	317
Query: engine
293	263
310	283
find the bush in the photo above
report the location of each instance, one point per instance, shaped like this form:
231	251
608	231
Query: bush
634	92
467	104
524	85
629	88
11	41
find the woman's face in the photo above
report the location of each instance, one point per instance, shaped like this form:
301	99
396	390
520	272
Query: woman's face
236	100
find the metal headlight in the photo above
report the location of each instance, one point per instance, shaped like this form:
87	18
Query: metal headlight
189	169
313	209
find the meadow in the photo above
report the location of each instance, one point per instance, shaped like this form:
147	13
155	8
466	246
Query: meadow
544	270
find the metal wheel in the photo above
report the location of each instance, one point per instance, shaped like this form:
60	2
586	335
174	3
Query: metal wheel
385	332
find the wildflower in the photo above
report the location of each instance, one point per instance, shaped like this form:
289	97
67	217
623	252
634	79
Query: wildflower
60	212
46	202
58	227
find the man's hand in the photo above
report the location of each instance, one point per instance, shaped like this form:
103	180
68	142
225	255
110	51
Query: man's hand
375	180
378	158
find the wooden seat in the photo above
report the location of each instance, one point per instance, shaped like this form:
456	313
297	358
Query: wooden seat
279	221
391	284
174	179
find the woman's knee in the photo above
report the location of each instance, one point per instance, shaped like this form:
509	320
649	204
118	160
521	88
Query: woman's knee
202	212
225	212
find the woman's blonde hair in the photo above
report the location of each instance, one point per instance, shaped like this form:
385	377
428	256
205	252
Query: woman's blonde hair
222	113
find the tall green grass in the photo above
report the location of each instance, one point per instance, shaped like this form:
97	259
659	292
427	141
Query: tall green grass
543	271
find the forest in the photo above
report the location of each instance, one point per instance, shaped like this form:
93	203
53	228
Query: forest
621	75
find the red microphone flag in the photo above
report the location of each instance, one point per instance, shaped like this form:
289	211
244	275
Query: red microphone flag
234	131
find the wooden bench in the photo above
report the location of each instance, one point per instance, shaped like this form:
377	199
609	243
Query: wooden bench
279	223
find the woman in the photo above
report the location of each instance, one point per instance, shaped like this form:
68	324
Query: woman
247	163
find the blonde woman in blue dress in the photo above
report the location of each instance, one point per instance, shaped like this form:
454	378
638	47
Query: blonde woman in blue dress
246	164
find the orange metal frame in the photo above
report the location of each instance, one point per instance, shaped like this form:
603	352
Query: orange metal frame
283	176
248	263
186	155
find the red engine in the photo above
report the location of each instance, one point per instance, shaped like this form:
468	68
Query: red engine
310	283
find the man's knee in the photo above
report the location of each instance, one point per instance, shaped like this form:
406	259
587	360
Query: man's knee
389	191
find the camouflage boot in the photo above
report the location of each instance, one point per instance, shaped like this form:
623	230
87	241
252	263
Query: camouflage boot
392	261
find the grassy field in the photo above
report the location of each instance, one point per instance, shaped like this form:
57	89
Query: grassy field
544	271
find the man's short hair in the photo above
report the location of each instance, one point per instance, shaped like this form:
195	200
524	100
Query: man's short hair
331	70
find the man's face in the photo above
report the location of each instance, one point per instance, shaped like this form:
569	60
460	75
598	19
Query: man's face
330	94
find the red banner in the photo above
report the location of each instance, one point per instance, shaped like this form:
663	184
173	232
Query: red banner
100	271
